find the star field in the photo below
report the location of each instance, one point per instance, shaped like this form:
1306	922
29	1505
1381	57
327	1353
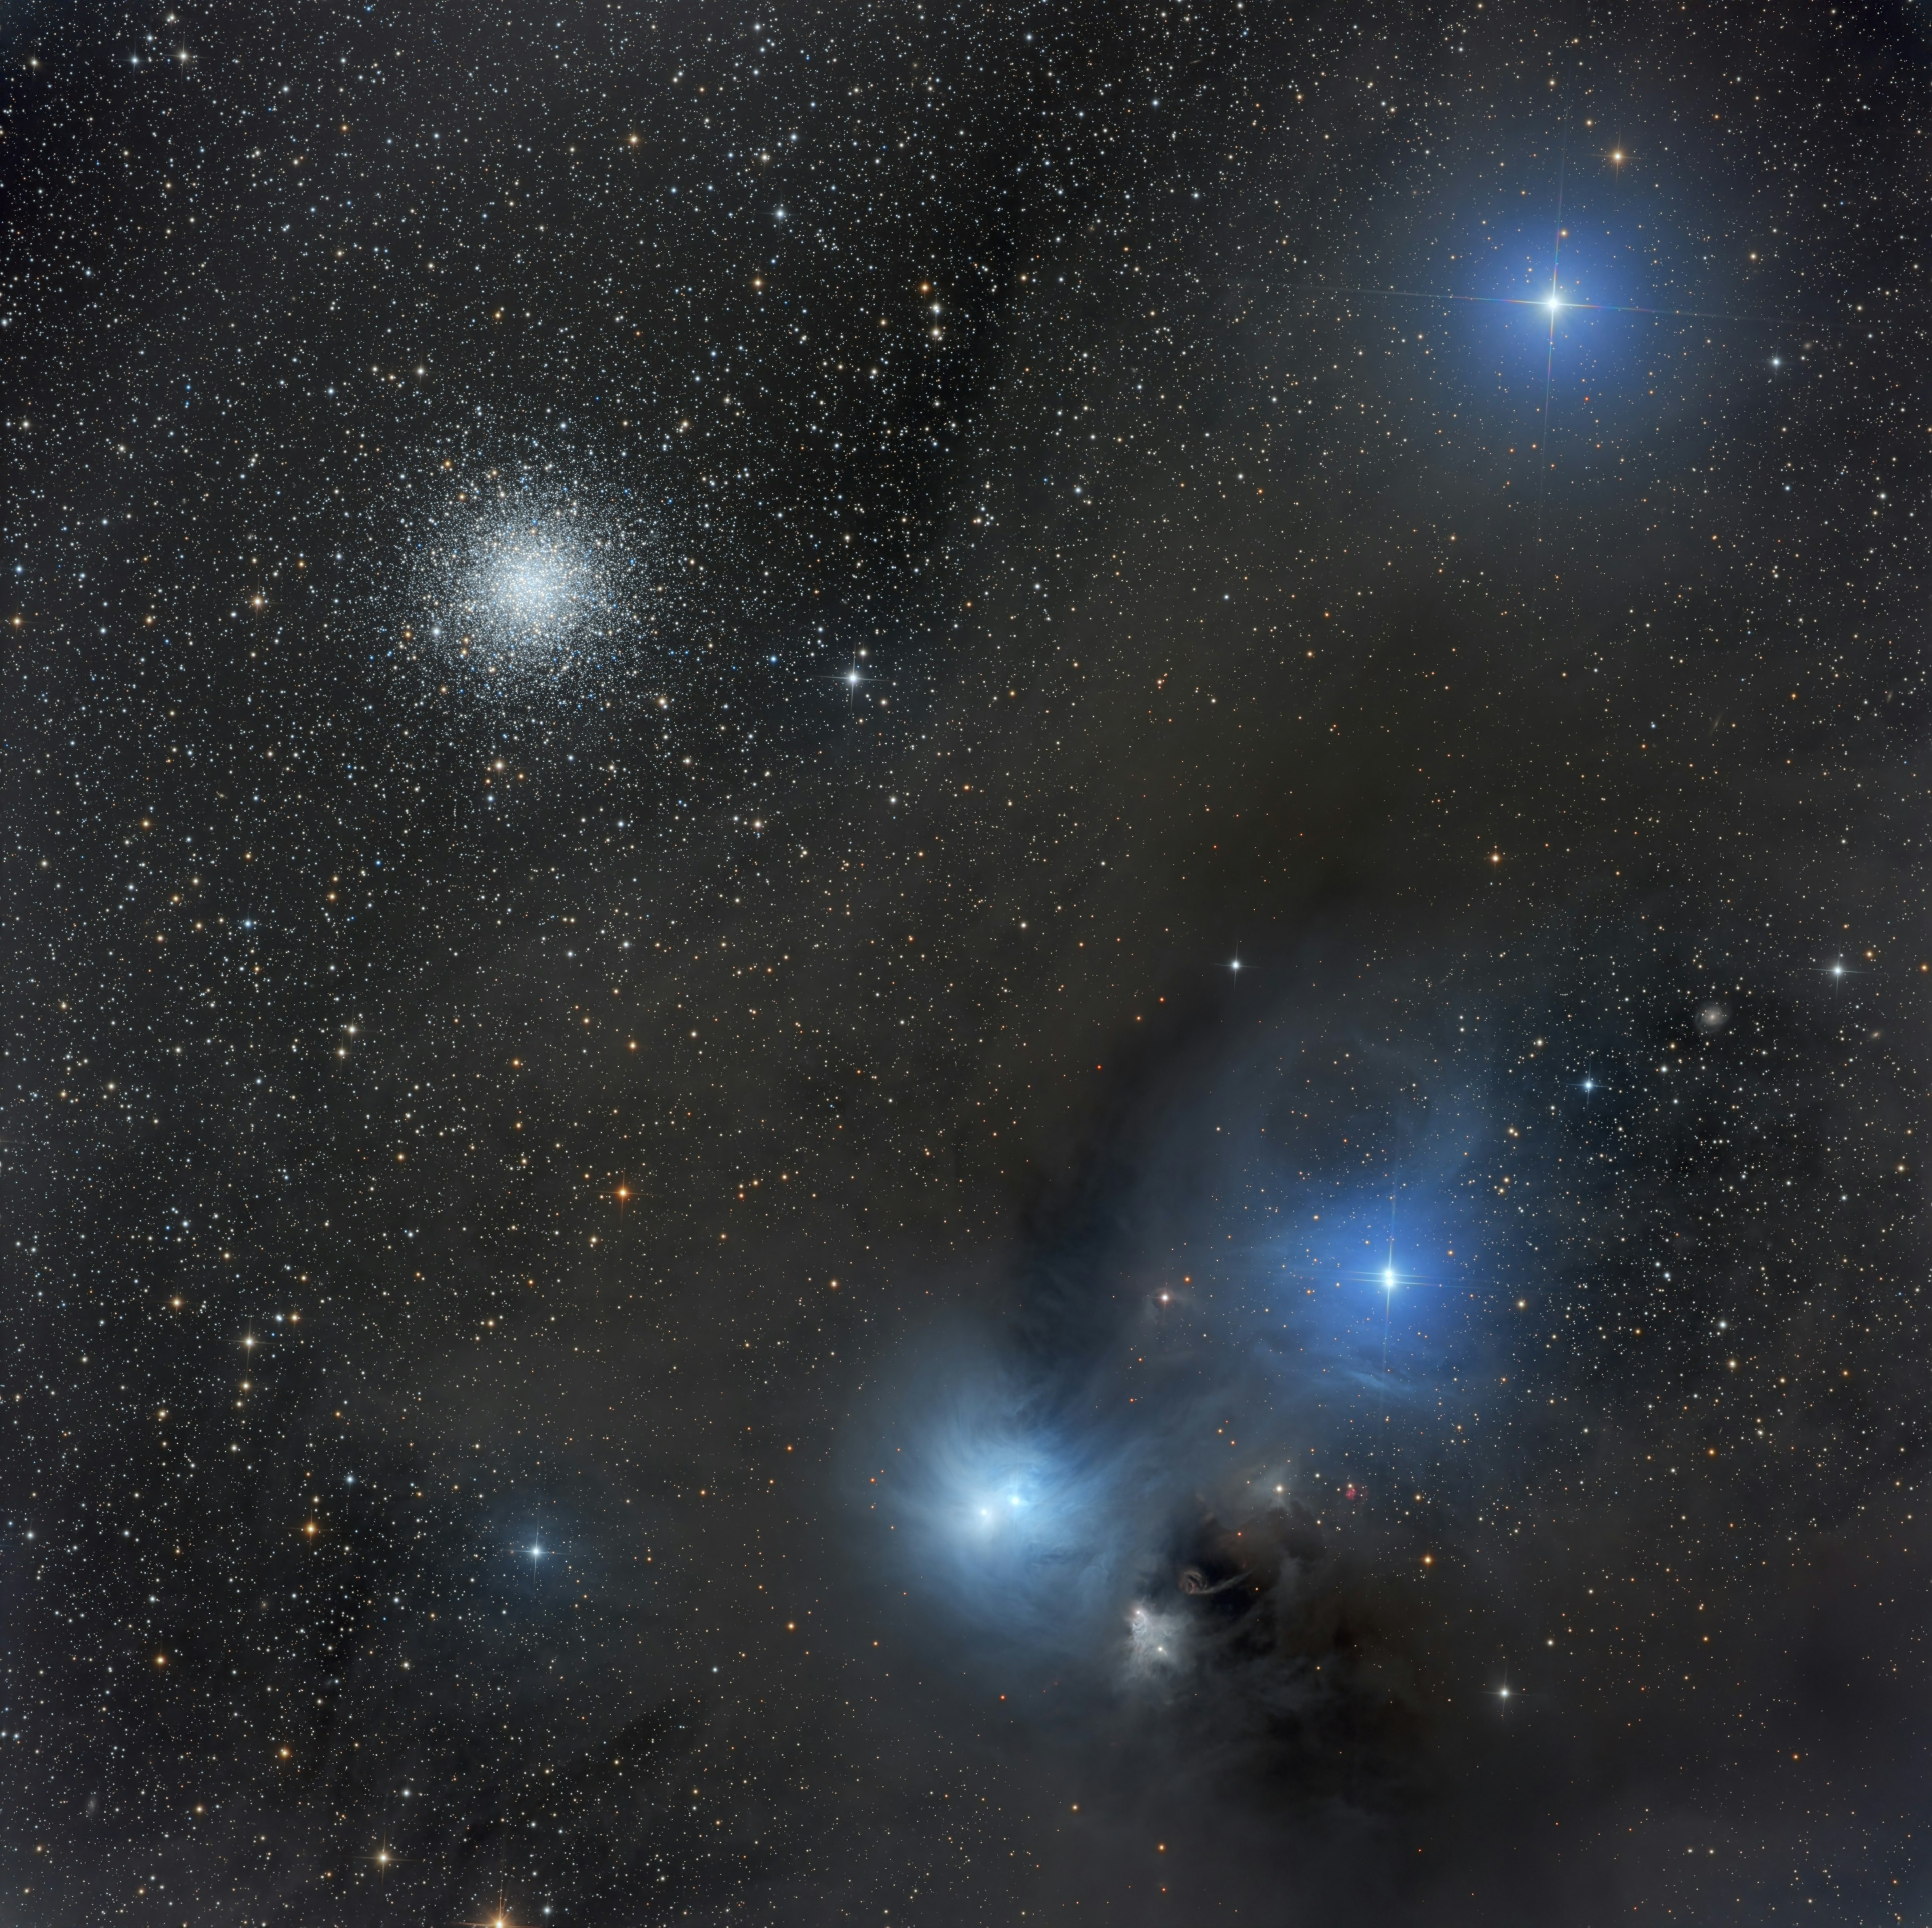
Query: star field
964	966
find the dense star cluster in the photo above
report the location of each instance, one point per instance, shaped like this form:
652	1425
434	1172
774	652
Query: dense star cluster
964	965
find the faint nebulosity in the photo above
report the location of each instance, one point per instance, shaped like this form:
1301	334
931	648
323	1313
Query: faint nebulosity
964	965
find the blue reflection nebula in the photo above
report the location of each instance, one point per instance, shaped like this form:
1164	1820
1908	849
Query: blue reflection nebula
1010	1516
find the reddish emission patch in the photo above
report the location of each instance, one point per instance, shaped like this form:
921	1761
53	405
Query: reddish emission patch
1351	1492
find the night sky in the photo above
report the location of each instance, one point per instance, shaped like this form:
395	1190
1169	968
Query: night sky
965	964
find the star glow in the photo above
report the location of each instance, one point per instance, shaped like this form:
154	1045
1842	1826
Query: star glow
1005	1517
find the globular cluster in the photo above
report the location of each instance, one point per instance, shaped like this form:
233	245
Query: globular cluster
963	966
562	581
524	589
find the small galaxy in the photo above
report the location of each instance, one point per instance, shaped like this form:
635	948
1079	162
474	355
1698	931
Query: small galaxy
965	967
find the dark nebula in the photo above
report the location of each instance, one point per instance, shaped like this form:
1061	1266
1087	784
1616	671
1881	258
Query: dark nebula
964	965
